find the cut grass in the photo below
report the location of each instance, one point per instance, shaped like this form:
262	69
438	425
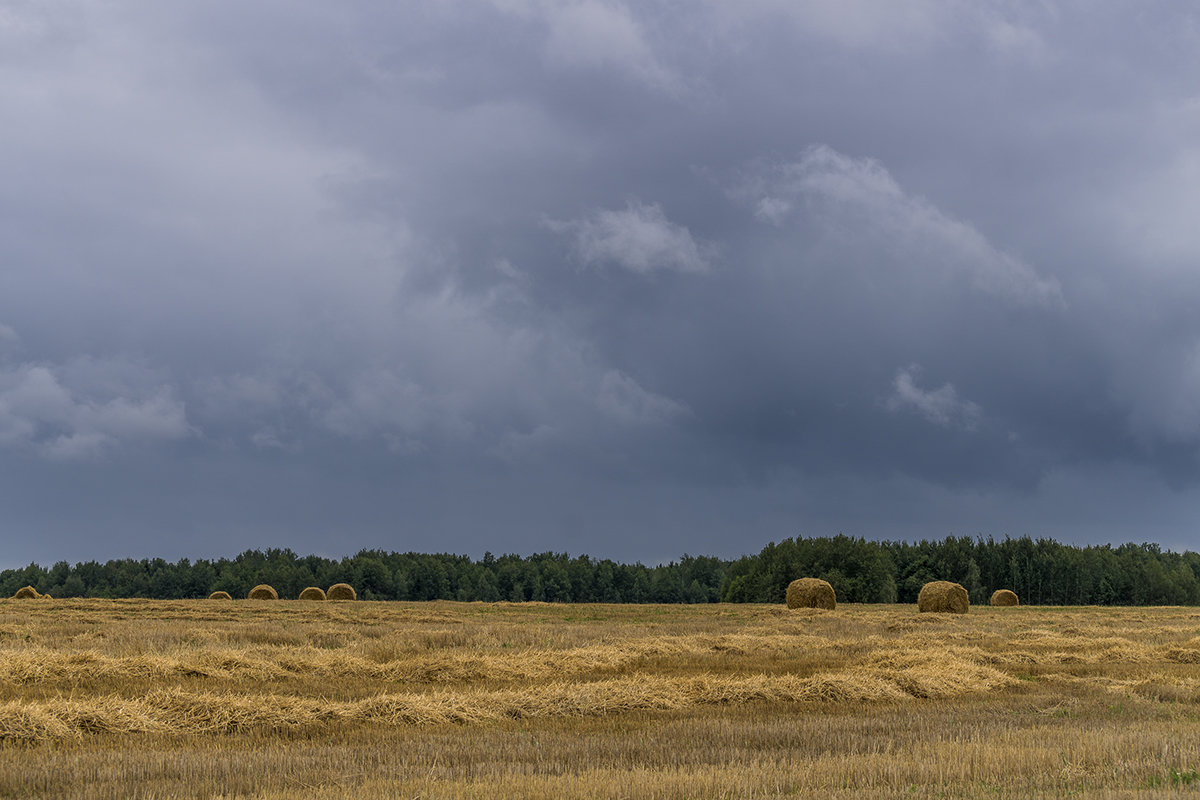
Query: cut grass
181	712
107	699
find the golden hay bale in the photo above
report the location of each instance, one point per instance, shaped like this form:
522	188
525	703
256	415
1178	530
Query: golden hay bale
263	592
26	592
313	593
1005	597
811	593
341	591
220	595
943	596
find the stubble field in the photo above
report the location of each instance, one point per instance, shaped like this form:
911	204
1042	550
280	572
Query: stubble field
258	699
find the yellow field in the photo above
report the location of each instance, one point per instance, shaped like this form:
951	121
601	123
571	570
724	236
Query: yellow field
167	699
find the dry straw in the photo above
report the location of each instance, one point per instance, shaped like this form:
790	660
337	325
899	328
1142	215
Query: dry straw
220	595
178	711
26	592
1004	597
263	592
313	593
341	591
41	665
943	596
811	593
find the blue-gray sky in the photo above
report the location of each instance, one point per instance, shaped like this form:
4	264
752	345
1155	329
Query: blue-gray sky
630	279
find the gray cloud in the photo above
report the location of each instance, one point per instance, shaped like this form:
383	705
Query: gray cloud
621	397
604	36
39	412
606	277
941	406
639	238
9	341
858	197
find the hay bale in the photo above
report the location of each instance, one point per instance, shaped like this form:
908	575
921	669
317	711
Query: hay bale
943	596
313	593
220	595
263	592
341	591
811	593
26	593
1005	597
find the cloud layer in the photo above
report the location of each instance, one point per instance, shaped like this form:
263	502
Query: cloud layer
594	276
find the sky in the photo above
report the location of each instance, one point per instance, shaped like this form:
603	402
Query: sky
626	279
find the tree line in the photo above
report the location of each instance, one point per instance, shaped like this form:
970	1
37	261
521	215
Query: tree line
1041	572
379	575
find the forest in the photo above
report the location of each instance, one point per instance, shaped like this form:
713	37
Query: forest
1041	572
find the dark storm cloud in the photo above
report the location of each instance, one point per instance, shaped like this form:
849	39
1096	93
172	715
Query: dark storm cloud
606	277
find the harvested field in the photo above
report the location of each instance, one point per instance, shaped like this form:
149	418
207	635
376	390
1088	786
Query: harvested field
165	699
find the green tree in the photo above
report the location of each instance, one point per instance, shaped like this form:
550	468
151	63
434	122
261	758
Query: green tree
973	583
487	590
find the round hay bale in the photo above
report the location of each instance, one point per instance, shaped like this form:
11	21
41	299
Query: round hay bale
263	592
341	591
220	595
26	593
1005	597
811	593
943	596
313	593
